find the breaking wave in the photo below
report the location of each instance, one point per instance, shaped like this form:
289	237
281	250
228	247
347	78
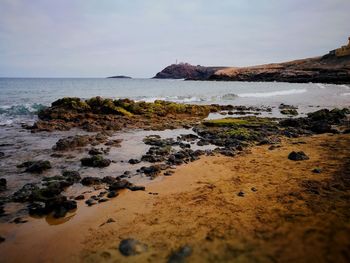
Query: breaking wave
21	109
179	99
272	93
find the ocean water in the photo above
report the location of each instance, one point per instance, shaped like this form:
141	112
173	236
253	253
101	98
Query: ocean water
21	98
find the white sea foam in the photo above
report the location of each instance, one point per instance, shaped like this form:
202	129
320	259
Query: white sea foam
179	99
272	93
345	86
345	94
321	86
229	96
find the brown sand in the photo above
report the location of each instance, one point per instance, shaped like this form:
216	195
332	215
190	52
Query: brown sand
294	216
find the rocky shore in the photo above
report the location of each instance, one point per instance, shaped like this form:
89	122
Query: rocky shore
50	196
325	69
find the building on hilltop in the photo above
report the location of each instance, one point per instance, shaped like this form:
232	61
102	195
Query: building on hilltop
343	51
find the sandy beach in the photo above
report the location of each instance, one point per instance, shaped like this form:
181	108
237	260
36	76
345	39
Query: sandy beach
286	213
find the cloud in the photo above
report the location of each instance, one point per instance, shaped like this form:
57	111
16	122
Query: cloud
86	38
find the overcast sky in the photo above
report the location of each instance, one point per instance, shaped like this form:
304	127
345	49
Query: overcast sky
98	38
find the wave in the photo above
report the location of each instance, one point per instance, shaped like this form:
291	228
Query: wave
229	96
272	93
179	99
345	94
345	86
21	109
321	86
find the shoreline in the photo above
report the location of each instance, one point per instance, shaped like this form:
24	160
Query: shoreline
198	206
222	188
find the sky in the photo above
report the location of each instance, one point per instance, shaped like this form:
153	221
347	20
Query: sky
99	38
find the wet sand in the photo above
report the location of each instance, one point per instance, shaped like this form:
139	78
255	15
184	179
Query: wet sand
294	215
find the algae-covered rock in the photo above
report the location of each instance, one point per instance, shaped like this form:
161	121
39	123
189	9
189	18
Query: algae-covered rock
95	161
292	112
35	166
106	106
71	103
248	122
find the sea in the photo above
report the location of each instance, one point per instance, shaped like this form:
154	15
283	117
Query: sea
21	98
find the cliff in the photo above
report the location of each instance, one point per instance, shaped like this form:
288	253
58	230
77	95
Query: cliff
186	71
326	69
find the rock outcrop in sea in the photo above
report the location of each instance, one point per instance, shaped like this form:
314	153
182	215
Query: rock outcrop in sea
186	71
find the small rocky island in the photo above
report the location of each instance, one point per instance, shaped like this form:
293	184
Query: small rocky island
119	77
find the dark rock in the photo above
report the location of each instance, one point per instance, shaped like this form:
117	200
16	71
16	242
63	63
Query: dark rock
134	161
95	151
317	170
37	209
102	194
184	145
292	112
3	184
24	194
321	127
77	141
79	197
118	185
152	170
90	202
95	161
131	247
112	194
102	200
298	156
283	106
35	166
2	239
94	197
88	181
241	194
108	179
136	188
180	255
188	137
19	220
168	173
253	189
72	176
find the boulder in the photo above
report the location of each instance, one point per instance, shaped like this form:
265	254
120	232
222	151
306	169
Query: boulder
35	166
88	181
298	156
95	161
180	255
131	247
3	184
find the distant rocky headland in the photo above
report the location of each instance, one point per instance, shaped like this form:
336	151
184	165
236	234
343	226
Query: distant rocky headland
333	67
187	71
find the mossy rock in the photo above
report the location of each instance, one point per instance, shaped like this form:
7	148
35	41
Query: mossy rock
242	134
248	122
71	103
333	116
291	112
106	106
